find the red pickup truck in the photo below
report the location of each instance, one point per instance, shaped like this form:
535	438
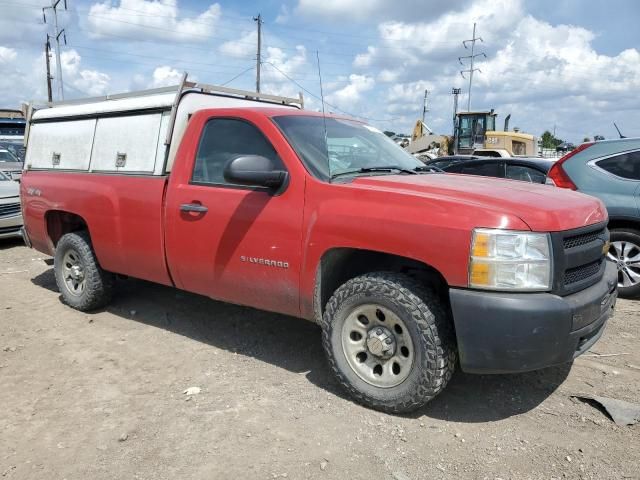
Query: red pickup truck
247	198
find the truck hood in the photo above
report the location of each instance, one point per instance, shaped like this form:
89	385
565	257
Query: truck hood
543	208
9	188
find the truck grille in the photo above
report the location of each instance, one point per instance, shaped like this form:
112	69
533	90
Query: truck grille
578	258
4	230
582	239
577	274
9	209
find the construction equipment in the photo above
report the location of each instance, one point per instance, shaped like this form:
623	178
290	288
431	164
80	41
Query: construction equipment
424	141
475	133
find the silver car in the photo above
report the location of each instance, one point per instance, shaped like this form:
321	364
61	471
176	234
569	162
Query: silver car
10	212
610	170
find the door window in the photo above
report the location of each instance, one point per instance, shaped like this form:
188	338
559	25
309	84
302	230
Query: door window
525	174
491	168
626	165
224	139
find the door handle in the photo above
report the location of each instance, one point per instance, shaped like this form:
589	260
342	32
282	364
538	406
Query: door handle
193	207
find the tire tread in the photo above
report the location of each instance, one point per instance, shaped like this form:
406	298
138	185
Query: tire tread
425	308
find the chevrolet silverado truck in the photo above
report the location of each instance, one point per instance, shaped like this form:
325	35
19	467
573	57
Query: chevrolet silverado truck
250	199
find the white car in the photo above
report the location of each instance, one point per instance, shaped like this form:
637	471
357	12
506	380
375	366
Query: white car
10	165
10	211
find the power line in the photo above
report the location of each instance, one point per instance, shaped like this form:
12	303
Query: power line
327	103
238	76
471	57
163	58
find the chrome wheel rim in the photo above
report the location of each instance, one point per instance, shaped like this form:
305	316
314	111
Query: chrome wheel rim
377	345
73	272
626	255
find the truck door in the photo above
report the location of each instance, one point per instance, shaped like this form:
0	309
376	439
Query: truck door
230	242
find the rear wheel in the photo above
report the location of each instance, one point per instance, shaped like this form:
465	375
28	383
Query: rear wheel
389	341
83	284
625	252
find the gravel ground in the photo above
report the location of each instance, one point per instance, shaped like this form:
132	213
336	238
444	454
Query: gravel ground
100	396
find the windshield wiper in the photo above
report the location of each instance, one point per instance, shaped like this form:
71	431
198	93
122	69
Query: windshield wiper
428	169
389	168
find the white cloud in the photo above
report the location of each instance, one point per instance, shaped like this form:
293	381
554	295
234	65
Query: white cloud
23	77
364	60
84	81
7	55
351	94
289	64
152	18
161	76
245	46
165	76
388	76
360	10
541	73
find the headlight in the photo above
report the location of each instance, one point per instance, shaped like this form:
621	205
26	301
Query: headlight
510	260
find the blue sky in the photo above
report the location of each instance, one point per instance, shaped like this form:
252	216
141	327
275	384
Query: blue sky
570	64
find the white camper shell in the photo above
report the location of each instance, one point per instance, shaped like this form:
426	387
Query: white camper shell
134	133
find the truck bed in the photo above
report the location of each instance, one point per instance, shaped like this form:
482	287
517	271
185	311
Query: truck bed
125	211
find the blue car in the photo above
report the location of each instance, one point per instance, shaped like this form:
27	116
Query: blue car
610	170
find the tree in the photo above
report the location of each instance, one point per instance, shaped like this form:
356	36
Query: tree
549	141
586	139
389	133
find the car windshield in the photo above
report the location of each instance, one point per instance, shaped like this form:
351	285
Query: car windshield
345	148
7	156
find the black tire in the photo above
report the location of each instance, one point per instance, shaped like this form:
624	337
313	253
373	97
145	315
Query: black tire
98	284
629	236
429	327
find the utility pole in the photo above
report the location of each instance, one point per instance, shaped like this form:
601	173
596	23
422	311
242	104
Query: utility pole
258	19
57	34
471	57
425	105
47	57
455	92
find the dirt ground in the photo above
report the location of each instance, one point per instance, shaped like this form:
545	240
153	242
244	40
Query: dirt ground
100	396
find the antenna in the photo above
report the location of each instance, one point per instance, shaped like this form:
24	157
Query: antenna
324	118
621	136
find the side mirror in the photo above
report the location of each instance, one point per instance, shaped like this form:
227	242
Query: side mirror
255	171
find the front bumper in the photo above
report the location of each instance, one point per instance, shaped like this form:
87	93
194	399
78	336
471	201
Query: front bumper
518	332
10	226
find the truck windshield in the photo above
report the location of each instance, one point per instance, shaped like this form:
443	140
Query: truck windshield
348	148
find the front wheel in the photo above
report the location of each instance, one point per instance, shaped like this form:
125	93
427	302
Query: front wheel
84	285
389	341
625	253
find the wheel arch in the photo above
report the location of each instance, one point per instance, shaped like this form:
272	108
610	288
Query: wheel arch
340	264
618	223
61	222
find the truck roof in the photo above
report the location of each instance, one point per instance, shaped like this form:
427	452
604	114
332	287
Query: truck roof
158	98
